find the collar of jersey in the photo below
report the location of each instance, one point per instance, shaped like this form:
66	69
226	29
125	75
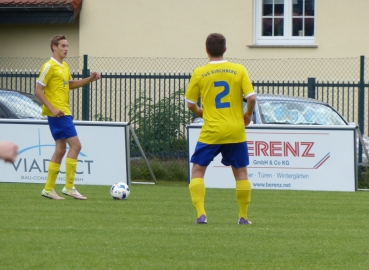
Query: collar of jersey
218	62
52	58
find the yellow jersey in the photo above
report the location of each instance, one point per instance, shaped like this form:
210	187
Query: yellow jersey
221	86
55	77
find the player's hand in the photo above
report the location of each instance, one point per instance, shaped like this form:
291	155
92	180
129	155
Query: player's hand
94	76
246	119
8	151
57	113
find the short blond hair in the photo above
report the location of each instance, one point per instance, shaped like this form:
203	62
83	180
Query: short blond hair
55	40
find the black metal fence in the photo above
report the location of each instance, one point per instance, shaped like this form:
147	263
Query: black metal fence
149	96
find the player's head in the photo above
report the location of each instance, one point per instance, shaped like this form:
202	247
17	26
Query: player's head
215	44
55	41
59	46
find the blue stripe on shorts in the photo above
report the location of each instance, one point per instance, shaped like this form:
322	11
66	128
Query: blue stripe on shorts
62	127
234	154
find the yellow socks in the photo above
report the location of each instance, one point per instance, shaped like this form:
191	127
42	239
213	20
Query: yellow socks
53	170
243	194
70	172
197	190
52	174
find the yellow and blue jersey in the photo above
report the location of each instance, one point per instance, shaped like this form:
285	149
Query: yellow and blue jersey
55	77
221	86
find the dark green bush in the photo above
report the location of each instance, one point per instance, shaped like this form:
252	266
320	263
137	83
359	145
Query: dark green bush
160	125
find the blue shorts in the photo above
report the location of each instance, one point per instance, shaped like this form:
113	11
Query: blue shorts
62	127
234	154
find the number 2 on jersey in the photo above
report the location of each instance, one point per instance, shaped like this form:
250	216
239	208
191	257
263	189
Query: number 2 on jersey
218	99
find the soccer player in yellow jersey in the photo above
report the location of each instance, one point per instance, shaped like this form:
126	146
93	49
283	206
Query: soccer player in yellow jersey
52	88
221	86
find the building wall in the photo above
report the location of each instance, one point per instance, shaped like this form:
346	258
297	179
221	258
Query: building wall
341	28
167	28
163	28
177	29
34	40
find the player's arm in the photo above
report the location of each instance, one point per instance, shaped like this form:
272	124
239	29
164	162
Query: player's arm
39	92
251	101
194	108
79	83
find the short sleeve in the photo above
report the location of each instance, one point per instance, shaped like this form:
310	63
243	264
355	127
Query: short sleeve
193	89
247	88
44	76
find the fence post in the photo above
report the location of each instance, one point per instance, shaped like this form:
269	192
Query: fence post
361	104
311	88
85	90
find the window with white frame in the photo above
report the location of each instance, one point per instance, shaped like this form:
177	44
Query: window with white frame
284	22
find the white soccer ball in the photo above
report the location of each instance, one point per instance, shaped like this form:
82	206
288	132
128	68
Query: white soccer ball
120	191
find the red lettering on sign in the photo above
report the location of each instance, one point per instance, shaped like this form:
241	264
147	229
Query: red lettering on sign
279	148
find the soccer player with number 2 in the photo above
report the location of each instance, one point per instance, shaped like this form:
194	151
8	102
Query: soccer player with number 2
221	86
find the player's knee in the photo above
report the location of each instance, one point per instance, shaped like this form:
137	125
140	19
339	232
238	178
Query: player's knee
60	151
76	148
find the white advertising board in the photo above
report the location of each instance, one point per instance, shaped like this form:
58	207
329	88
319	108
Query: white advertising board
103	160
290	158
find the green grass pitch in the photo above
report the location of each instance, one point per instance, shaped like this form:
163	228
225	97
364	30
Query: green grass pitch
154	229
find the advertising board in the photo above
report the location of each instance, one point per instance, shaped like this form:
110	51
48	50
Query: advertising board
294	157
103	160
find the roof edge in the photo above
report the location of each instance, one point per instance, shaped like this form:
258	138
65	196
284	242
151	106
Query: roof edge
30	13
30	8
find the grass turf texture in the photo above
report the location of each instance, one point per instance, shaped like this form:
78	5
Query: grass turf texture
154	229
